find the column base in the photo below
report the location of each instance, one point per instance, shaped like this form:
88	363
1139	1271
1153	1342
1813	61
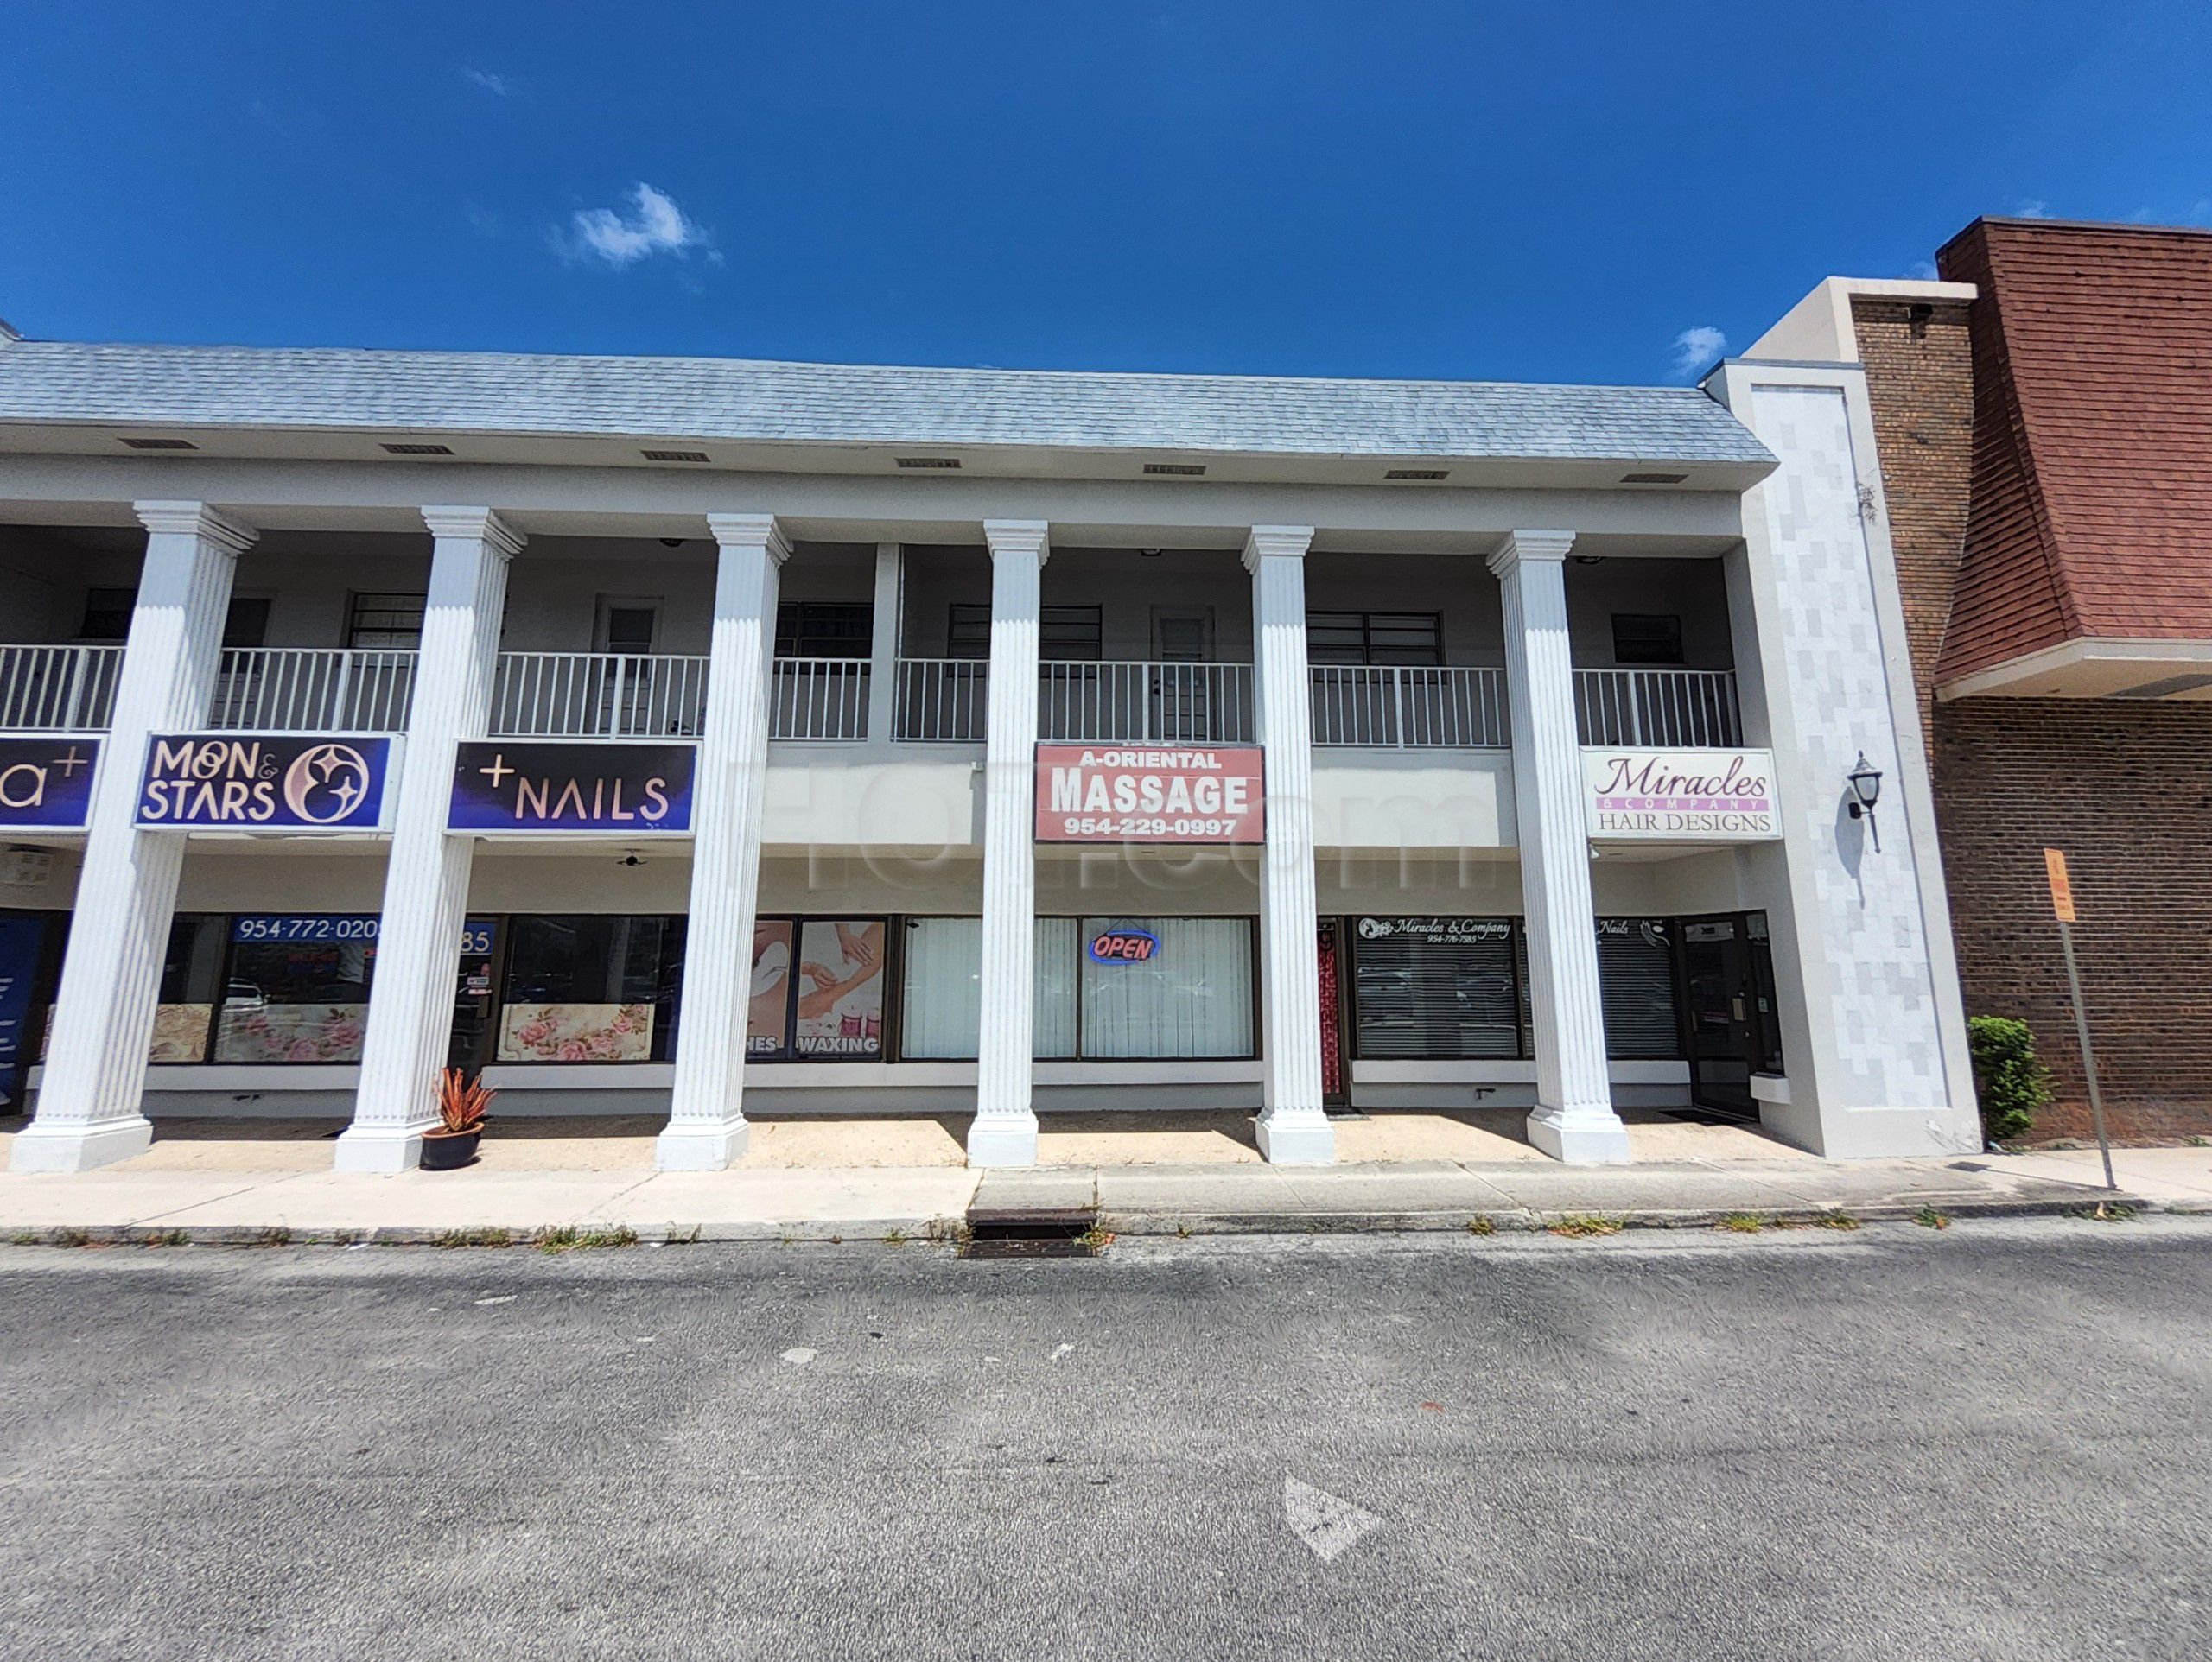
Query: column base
1580	1136
1298	1139
1002	1139
80	1144
384	1150
700	1145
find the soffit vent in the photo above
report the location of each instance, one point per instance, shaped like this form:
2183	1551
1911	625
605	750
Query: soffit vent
927	462
1653	479
161	444
1419	472
673	455
419	449
1179	469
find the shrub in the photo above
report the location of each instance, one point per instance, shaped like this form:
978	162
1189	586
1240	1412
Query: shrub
2014	1086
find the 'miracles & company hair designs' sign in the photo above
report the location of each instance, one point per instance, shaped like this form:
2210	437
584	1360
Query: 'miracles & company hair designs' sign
622	790
1100	793
264	781
47	784
1707	796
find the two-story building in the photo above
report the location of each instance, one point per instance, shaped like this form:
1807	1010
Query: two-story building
687	736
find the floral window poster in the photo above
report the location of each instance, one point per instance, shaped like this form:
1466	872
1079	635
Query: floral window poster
840	990
290	1032
576	1032
181	1032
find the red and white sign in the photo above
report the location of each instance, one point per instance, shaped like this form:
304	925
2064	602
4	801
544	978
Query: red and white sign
1114	793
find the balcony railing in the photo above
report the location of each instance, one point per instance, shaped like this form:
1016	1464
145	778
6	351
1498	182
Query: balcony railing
818	698
312	689
1397	708
598	696
58	689
1658	709
942	699
1136	702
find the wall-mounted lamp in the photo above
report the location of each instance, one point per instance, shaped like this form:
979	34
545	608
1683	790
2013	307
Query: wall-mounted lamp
1866	781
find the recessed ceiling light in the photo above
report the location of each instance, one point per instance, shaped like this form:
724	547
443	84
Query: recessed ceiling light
161	444
420	449
1187	470
673	455
1653	479
1418	472
927	462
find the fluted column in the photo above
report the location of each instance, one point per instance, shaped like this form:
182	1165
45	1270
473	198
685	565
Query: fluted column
410	1032
1293	1129
706	1123
88	1103
1573	1118
1005	1129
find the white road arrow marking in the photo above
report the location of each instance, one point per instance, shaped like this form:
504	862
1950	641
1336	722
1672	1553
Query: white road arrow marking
1325	1522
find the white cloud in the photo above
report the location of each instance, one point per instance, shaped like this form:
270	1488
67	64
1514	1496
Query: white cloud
1696	347
655	225
1921	271
498	85
2034	208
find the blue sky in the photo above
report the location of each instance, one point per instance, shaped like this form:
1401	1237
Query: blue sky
1542	192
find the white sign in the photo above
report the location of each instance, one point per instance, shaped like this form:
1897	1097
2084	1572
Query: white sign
1681	795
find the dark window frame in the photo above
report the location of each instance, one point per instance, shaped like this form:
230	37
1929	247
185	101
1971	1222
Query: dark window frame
1417	654
825	629
1661	645
1058	628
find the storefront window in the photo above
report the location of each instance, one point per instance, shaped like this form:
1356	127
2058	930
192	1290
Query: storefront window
192	970
297	989
1189	995
1635	980
591	988
941	1011
818	989
1435	987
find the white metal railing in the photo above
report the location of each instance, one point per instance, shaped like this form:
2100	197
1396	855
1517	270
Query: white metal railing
58	689
1406	707
598	696
942	700
1660	709
1132	701
312	689
818	698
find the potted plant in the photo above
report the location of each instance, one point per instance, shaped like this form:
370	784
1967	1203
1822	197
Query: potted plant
461	1101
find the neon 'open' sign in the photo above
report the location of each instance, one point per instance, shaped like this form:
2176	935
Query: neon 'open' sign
1124	946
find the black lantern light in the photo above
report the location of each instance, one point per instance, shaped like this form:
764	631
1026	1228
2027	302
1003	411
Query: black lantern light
1866	781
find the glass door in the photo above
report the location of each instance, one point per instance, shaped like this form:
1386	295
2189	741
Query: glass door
1721	1013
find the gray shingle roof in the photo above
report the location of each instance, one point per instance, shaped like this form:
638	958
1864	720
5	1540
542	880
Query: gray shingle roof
744	401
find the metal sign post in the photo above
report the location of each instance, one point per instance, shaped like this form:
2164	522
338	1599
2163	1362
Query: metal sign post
2062	906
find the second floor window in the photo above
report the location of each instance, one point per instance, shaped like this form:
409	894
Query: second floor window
1067	634
386	622
1407	638
824	629
107	618
1646	638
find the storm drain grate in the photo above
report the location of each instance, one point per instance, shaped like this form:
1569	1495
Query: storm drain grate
1034	1231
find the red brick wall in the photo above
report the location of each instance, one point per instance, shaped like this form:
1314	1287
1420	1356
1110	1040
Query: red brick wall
2126	789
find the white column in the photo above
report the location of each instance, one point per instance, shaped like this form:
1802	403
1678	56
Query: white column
1574	1119
1293	1129
426	877
1005	1130
883	646
706	1122
88	1105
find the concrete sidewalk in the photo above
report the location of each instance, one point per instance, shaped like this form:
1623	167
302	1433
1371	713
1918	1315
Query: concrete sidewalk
934	1202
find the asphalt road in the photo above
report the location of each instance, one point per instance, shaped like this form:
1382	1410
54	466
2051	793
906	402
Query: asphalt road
1995	1442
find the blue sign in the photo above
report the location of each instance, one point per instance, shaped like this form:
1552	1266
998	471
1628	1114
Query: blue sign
47	784
264	781
22	936
521	786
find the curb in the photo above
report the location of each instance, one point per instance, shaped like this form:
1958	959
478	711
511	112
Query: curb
943	1231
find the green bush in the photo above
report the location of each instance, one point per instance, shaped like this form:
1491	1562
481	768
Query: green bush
2012	1085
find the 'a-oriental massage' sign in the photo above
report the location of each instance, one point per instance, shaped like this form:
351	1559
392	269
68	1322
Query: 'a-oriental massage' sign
1691	795
1121	794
